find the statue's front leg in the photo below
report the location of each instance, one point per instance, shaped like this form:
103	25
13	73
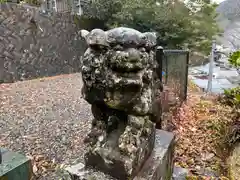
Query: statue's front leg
98	128
137	141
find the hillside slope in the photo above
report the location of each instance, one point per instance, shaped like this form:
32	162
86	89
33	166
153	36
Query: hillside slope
229	21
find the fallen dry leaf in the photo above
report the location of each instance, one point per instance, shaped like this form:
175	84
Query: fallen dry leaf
196	128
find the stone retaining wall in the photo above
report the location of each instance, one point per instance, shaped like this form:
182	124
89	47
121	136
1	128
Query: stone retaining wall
197	59
33	44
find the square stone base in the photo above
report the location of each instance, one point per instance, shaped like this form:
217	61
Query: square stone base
14	166
159	165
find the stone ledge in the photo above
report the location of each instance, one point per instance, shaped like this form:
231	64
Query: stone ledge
158	166
15	166
179	173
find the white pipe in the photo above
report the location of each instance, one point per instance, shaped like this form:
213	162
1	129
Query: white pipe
210	74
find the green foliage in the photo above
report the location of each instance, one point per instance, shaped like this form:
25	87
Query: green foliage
3	1
101	9
234	59
232	97
178	25
33	2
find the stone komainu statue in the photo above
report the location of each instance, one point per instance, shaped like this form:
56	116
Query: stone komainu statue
118	71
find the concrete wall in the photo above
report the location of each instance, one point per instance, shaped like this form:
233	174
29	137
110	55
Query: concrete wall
34	45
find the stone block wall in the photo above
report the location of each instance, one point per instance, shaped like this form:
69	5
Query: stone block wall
33	44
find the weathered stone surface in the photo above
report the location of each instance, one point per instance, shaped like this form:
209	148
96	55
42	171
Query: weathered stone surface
118	72
179	173
15	166
80	172
33	44
134	144
97	37
120	68
125	36
158	166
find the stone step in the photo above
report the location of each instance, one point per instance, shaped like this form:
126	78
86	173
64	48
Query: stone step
14	166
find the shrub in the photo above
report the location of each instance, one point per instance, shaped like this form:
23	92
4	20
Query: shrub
234	59
33	2
231	97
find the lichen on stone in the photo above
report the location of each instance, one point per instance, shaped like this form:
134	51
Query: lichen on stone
118	74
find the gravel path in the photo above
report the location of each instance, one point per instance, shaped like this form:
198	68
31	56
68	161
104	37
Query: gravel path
45	119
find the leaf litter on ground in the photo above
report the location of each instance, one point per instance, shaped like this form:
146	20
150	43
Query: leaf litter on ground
200	126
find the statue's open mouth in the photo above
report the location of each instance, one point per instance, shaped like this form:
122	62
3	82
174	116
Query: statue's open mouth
125	79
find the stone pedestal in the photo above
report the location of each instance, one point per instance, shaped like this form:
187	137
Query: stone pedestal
158	166
14	166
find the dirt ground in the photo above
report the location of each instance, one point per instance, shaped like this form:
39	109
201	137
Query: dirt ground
45	119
